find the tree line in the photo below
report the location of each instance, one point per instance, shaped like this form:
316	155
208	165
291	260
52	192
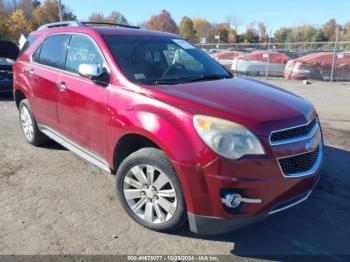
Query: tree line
23	16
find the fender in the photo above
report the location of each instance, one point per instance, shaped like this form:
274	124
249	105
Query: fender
167	127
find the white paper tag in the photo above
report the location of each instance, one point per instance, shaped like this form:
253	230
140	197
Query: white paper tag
184	44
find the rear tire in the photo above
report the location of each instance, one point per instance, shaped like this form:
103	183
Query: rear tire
150	191
29	125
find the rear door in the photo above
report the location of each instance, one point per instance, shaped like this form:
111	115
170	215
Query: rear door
47	62
81	104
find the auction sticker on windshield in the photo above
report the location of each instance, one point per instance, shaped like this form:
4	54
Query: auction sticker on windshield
183	44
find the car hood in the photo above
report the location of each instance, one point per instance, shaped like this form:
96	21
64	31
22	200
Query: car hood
257	105
8	50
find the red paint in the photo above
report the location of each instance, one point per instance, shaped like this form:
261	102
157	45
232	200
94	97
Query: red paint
97	117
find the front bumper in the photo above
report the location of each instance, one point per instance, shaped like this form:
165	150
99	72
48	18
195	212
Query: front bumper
254	177
206	225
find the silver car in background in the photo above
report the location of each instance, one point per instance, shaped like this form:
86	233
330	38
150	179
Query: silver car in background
259	63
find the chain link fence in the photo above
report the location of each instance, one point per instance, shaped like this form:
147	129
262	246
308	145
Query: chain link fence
325	61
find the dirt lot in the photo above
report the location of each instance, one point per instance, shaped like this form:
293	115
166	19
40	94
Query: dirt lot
53	202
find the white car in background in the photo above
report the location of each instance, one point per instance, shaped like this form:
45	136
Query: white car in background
259	63
225	57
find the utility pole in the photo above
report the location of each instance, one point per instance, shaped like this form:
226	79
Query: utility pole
335	52
218	45
268	56
60	10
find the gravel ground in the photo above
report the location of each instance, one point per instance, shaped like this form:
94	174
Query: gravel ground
53	202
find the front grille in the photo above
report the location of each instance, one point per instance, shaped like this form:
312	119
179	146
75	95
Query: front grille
292	133
299	163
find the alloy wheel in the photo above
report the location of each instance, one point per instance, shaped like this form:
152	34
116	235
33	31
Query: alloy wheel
149	194
27	123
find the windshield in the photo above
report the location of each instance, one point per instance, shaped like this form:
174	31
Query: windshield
158	60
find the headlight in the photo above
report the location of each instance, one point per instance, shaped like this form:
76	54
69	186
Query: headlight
227	138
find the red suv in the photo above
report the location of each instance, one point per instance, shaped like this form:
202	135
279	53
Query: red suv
186	140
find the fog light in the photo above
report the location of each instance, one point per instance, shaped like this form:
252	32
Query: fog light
233	200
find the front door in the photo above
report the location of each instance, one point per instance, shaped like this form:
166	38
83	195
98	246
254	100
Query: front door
81	104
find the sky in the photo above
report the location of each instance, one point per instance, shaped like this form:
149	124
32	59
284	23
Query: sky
274	13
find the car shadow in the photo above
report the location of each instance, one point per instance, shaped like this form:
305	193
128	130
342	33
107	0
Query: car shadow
53	145
318	226
50	144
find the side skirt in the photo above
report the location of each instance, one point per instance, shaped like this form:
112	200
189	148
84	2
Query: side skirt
70	145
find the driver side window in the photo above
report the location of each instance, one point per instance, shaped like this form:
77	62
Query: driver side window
82	50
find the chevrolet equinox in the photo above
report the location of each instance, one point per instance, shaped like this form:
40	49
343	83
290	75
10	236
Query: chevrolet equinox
187	140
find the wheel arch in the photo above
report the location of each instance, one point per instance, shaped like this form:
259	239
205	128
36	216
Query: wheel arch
128	144
19	96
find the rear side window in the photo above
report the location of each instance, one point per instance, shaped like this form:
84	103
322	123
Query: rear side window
82	51
30	40
53	51
36	55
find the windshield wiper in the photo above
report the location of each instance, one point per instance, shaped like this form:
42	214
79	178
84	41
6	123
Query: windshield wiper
181	80
165	81
189	79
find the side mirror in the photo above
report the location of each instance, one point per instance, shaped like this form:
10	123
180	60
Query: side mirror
90	70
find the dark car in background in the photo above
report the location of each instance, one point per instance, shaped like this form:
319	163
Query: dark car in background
8	54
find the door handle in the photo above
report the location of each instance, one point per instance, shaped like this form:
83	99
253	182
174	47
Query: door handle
61	86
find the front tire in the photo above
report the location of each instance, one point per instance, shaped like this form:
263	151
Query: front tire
150	192
29	125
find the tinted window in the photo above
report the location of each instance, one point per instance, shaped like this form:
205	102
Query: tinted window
53	51
162	60
82	51
30	40
36	55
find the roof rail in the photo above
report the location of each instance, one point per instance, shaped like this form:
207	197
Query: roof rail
60	24
111	24
78	23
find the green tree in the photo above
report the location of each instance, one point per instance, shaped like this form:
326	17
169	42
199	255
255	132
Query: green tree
281	35
319	36
186	29
305	33
345	36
